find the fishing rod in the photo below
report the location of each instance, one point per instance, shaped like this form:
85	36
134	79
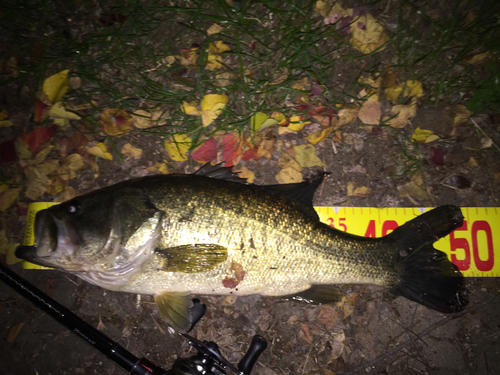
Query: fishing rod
208	360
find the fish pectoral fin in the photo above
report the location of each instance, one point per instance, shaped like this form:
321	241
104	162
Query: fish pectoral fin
192	258
318	295
179	310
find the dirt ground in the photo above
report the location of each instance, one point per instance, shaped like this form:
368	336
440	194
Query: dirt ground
383	335
372	332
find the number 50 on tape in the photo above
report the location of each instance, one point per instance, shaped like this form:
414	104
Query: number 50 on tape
473	248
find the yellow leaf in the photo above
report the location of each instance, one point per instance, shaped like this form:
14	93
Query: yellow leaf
178	146
158	167
403	112
369	112
477	59
460	114
214	61
142	119
244	172
347	115
8	248
6	123
100	151
38	182
71	164
392	93
411	188
297	123
261	121
8	197
289	175
357	192
214	29
4	114
115	121
214	102
370	37
286	161
3	187
56	86
408	89
66	195
306	156
218	47
432	138
421	135
207	117
280	118
131	151
59	111
190	109
303	84
317	137
472	162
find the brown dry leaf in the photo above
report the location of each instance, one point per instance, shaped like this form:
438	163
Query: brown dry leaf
75	82
472	162
142	119
8	197
417	178
368	38
66	195
131	151
214	29
57	185
8	249
280	77
286	160
328	315
224	79
317	137
347	305
306	334
303	84
13	332
370	111
306	156
38	182
389	77
289	175
347	115
412	188
71	164
361	191
244	172
477	59
460	113
403	112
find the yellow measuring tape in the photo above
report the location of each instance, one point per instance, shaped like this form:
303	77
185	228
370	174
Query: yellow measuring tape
471	247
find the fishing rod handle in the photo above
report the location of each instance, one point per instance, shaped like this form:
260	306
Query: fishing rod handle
257	346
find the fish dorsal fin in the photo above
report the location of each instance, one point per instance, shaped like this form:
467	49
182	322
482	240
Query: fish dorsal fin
303	192
317	295
219	172
175	308
192	258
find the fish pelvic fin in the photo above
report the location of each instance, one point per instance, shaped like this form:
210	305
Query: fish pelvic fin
179	310
426	275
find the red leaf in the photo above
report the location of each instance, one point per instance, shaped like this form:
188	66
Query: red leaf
206	152
37	138
437	157
41	111
231	148
251	153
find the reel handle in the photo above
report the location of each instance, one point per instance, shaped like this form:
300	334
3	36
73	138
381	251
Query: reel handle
257	346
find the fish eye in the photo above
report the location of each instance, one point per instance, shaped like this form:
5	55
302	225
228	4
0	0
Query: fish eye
73	207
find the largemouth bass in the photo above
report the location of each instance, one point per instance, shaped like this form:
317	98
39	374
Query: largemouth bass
211	233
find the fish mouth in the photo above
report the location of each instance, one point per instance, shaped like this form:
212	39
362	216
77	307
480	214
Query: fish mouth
54	239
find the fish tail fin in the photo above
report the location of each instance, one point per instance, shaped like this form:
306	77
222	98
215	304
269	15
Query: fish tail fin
426	274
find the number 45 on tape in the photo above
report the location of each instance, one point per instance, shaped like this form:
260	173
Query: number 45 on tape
471	247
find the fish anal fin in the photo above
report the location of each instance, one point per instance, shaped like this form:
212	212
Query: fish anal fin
192	258
175	308
318	295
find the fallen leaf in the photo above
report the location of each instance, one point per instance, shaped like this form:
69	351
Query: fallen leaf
38	182
411	188
244	172
303	84
437	157
115	121
367	34
8	248
206	152
289	175
361	191
36	139
178	146
297	123
306	334
190	108
460	113
229	300
260	121
218	47
100	151
403	114
370	113
71	164
224	79
286	161
215	29
131	151
306	156
158	167
8	197
347	115
407	89
142	119
317	137
14	331
280	77
68	194
423	136
472	162
232	147
211	107
480	58
328	315
56	86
